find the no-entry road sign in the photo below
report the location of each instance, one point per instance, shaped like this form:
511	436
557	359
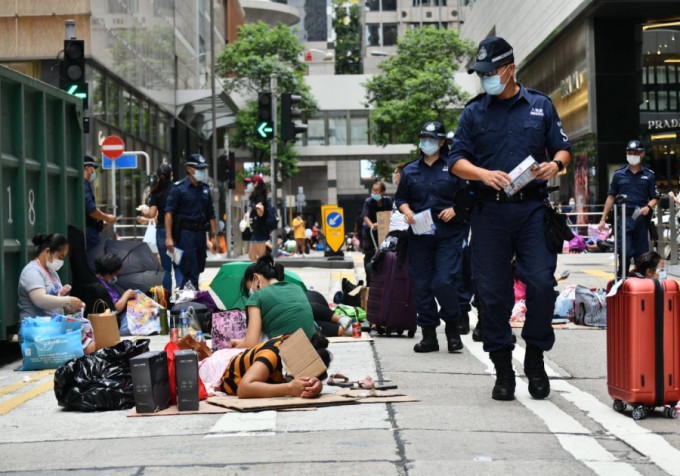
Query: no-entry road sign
113	147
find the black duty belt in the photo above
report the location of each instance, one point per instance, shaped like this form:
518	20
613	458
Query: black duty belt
501	197
193	225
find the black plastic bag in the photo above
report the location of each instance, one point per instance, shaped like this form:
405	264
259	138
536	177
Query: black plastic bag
556	229
99	381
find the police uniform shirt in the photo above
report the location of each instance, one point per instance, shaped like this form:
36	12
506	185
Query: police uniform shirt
190	202
423	186
639	187
499	134
90	205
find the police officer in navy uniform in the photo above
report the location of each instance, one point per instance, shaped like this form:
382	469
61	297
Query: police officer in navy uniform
497	130
94	217
189	208
639	186
434	260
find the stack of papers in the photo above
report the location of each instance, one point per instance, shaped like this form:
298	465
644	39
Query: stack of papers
176	257
424	224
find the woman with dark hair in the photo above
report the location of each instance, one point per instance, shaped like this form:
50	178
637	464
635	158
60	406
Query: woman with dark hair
108	268
258	217
40	290
377	202
258	372
157	199
275	307
649	265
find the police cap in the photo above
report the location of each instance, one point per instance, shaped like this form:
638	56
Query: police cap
433	129
635	145
197	161
492	52
88	160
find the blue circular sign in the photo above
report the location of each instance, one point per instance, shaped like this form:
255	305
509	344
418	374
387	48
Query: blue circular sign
334	219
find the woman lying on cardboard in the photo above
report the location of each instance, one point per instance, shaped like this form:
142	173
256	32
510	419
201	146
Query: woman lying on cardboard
259	372
276	307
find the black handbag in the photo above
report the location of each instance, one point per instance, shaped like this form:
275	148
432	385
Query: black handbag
556	229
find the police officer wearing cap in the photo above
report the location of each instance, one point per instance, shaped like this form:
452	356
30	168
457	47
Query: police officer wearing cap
497	130
639	186
434	260
189	208
94	217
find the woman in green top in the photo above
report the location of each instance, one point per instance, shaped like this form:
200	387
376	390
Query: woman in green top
275	307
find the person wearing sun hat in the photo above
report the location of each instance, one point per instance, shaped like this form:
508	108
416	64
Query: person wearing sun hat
497	131
95	219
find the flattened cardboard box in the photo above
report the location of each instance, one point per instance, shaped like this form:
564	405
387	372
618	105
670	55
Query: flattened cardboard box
383	225
300	357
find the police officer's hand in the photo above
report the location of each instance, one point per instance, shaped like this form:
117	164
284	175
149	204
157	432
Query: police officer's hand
446	214
547	171
496	179
644	211
111	218
408	217
170	244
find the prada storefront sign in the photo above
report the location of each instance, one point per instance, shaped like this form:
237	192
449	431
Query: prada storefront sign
654	122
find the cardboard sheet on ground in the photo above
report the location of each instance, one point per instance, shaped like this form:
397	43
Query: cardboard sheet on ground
365	337
203	409
342	397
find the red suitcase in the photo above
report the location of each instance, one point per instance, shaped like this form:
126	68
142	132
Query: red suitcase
390	297
643	346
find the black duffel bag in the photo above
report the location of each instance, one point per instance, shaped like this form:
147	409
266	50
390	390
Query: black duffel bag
556	229
203	315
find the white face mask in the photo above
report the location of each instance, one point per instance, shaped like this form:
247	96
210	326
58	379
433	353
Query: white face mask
200	175
633	159
55	264
93	176
253	287
571	204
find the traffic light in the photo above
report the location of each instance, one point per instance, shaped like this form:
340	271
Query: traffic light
226	169
264	129
288	128
72	74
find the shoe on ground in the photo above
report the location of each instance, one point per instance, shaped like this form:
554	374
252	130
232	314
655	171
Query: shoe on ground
464	324
534	369
453	341
429	342
504	388
477	335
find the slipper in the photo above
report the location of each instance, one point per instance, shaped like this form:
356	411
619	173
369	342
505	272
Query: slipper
340	380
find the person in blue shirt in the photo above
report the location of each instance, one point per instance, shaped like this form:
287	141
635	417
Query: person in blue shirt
497	130
434	260
94	217
639	186
190	209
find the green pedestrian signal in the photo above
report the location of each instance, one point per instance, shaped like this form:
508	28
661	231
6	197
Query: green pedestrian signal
265	117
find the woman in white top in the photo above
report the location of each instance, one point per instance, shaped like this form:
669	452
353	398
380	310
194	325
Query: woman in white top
397	218
40	290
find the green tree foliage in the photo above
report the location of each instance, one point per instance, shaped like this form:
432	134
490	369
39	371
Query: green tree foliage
348	37
417	85
247	66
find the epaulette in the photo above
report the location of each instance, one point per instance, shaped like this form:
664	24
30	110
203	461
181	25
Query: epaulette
476	98
536	91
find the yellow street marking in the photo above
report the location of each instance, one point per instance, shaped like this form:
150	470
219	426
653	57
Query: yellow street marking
31	379
9	405
598	273
338	275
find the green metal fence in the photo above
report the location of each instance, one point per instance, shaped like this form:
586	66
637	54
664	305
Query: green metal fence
41	172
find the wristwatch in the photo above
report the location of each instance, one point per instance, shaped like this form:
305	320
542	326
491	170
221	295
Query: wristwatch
560	165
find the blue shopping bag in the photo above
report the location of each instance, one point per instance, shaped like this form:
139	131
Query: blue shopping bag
48	342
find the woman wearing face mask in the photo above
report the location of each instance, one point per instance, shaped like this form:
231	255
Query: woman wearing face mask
107	269
649	265
40	290
435	261
157	199
258	216
275	307
377	202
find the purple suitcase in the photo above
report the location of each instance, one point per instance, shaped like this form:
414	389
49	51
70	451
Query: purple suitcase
390	297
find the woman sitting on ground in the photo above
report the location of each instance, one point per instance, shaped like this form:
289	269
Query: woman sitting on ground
108	268
275	307
648	265
258	372
40	290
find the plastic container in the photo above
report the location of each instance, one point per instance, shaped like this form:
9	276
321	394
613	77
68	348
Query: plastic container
183	323
199	337
163	316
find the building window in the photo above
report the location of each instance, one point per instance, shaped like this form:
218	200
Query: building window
316	132
372	5
337	129
358	130
113	109
373	35
389	5
428	3
390	34
98	95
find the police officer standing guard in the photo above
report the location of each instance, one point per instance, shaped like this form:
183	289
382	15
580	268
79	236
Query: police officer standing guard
190	209
94	217
639	186
496	132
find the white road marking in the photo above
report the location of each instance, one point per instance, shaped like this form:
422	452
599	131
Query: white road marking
244	424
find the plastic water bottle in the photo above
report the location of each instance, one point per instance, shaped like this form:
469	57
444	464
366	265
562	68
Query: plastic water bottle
199	336
183	323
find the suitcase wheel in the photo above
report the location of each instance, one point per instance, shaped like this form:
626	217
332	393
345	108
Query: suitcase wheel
639	413
619	406
670	412
400	333
411	333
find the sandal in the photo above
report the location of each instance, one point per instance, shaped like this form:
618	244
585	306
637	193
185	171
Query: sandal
340	380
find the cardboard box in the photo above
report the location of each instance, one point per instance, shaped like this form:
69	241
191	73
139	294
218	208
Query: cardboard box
105	327
300	357
186	380
383	225
150	381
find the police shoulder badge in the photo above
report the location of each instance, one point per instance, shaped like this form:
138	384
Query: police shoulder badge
481	54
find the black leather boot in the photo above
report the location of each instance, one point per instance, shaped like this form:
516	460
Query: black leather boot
429	342
504	389
539	385
453	338
464	324
477	334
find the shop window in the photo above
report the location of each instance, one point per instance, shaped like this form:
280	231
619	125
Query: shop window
337	129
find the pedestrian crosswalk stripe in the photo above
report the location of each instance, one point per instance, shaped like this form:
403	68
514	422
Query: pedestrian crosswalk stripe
13	387
9	405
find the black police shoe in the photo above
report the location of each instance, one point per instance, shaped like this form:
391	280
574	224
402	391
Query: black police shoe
429	342
534	369
453	338
464	324
504	388
477	334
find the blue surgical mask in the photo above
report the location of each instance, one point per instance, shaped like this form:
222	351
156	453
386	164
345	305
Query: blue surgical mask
93	176
376	197
663	274
492	85
429	146
200	175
